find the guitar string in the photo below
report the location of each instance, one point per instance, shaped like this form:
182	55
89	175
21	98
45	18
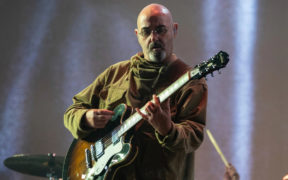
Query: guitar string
107	140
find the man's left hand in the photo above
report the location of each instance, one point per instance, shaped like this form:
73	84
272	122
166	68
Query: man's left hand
158	115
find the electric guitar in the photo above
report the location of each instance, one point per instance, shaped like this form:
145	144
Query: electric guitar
103	154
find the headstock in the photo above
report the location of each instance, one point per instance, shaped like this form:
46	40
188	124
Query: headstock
217	62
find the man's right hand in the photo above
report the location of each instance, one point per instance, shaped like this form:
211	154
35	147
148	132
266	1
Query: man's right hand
231	173
97	118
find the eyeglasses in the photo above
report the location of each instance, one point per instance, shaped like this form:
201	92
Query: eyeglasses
161	30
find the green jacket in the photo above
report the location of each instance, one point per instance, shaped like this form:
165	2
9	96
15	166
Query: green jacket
133	82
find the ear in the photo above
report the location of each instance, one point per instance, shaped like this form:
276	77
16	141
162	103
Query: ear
136	31
175	29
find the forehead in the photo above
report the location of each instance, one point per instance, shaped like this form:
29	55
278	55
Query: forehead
153	21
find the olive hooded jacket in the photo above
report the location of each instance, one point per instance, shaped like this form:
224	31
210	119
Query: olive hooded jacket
133	82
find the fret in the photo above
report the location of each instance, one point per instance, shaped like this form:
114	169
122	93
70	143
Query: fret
174	87
126	125
194	72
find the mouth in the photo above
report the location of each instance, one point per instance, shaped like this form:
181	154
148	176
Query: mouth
156	47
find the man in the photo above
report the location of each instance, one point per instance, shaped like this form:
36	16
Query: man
170	132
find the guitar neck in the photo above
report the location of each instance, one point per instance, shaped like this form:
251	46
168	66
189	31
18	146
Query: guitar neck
135	118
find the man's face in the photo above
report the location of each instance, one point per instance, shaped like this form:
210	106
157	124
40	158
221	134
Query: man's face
155	35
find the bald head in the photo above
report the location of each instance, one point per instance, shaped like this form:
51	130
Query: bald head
153	10
156	32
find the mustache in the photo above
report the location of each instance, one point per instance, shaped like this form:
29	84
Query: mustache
155	45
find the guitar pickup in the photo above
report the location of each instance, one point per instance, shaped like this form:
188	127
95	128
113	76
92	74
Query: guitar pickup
93	152
115	137
99	149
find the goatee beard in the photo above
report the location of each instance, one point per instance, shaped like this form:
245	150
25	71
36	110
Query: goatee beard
156	52
157	56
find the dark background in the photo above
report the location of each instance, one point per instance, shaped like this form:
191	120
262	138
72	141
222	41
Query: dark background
50	50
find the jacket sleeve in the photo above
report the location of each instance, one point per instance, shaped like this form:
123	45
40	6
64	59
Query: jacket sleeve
82	102
189	121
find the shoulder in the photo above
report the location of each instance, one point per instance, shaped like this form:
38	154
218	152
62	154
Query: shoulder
175	70
116	72
195	86
183	68
120	65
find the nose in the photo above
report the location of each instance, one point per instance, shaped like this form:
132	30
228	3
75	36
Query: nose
154	36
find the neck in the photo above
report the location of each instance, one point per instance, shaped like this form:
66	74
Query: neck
170	59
